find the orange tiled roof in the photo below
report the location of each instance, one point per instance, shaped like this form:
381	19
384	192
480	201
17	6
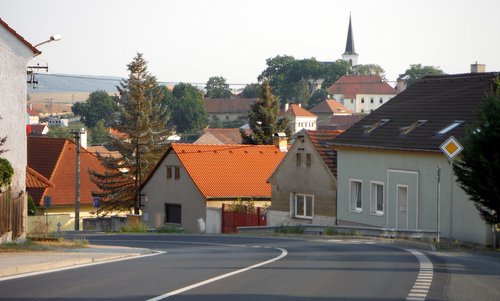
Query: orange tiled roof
36	180
55	159
231	170
296	110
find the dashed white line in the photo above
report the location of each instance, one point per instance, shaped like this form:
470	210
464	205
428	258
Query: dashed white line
423	283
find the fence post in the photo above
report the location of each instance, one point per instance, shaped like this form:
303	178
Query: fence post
222	219
258	216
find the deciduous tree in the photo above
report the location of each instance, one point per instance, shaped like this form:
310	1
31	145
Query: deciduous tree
98	106
217	87
417	71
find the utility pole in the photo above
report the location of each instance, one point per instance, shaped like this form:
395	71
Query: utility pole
77	135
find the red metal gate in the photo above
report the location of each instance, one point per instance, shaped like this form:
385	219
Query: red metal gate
231	220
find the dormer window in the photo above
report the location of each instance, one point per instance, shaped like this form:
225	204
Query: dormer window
449	127
376	125
408	129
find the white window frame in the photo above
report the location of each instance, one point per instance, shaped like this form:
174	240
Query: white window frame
374	198
352	202
303	214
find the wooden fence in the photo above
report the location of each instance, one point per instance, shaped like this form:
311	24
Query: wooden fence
11	214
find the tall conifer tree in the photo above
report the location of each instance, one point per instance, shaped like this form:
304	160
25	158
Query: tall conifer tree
478	168
263	118
142	125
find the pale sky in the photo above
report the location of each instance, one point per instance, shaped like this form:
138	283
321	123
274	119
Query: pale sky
192	40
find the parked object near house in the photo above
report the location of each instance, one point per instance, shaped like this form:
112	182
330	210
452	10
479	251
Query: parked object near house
304	185
362	93
388	162
191	182
15	52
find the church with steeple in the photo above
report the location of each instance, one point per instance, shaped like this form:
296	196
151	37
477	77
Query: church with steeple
350	54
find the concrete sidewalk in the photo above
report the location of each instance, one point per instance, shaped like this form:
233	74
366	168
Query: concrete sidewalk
17	263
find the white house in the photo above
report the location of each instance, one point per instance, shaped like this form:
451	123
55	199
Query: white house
15	52
362	93
299	118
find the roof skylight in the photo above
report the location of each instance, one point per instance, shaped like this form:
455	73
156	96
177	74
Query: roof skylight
449	127
376	125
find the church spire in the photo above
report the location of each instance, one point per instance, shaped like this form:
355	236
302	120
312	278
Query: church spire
350	54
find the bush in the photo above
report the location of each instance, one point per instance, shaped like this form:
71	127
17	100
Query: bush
331	231
31	206
136	228
6	172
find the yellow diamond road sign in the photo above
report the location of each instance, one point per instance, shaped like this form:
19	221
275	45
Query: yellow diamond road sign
451	147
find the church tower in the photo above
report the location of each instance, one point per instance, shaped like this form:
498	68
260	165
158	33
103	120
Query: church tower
350	54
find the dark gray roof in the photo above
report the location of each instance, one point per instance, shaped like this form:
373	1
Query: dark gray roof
413	119
349	45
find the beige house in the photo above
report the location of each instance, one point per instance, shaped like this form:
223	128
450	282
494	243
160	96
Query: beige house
304	185
191	182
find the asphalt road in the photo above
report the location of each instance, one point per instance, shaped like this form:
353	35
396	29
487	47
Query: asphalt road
243	268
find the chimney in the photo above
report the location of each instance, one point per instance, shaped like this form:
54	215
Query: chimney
287	105
477	68
83	138
281	142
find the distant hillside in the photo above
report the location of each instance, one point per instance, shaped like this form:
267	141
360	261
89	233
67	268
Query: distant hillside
73	83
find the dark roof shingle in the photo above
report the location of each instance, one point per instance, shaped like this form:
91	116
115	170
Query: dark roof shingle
439	100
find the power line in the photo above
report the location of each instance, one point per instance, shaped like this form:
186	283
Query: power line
117	79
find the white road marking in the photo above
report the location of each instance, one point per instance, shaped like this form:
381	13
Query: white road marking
424	279
213	279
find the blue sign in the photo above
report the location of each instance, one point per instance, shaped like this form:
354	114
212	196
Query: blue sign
47	201
96	200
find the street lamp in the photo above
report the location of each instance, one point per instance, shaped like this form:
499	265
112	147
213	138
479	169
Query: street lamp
53	38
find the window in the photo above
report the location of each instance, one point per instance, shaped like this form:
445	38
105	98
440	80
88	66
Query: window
352	101
177	172
308	159
450	127
169	172
355	195
362	100
299	158
304	205
376	125
408	129
173	213
381	100
377	198
371	100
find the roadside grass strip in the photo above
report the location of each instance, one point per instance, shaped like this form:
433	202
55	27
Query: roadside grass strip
423	283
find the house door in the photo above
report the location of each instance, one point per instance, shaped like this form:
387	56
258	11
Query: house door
402	194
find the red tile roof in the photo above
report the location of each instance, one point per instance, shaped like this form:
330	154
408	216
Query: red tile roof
330	106
55	159
228	171
351	85
19	37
